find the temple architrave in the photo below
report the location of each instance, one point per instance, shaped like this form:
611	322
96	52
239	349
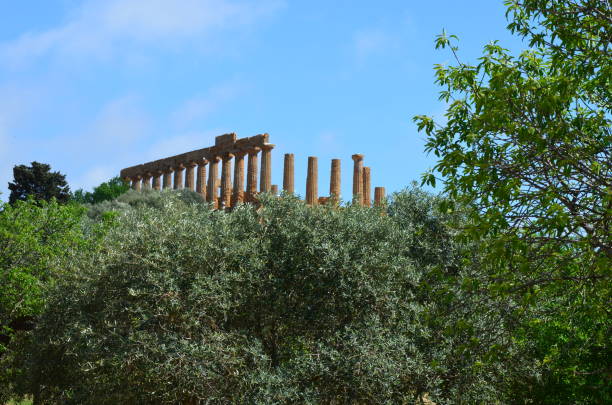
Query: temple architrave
188	170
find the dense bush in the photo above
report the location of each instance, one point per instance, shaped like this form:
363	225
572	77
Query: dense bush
35	236
283	304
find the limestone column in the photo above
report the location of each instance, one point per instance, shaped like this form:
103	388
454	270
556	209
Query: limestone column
366	191
312	194
379	196
189	176
274	189
288	173
201	178
226	181
178	176
146	181
168	178
211	193
252	174
238	194
136	183
266	168
157	180
334	183
357	177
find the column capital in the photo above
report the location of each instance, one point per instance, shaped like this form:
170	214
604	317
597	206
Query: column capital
267	146
191	164
168	170
137	177
214	159
179	166
357	157
228	155
254	151
202	162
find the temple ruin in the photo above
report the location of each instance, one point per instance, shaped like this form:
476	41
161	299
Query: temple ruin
189	170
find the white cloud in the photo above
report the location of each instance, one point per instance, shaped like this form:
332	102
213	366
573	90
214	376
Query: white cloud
369	42
201	106
101	27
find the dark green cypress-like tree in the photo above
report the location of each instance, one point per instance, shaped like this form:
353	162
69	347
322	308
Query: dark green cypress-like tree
39	182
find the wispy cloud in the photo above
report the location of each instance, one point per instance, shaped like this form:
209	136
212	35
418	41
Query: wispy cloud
202	105
370	42
102	27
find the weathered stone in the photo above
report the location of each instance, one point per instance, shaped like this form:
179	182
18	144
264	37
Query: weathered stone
366	191
157	180
266	168
357	177
189	175
288	173
379	196
226	181
312	180
238	193
136	182
178	176
334	183
211	193
167	178
201	178
252	174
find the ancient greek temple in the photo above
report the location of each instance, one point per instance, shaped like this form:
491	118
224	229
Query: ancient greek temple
189	170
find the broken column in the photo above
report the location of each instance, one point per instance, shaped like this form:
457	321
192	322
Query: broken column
312	193
238	194
357	177
252	174
334	183
266	168
226	181
366	190
288	173
211	193
379	196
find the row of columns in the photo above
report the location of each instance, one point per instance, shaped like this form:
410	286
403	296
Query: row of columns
361	183
227	193
230	193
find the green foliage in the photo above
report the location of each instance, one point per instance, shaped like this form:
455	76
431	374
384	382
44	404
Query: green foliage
106	191
39	182
35	236
282	304
528	143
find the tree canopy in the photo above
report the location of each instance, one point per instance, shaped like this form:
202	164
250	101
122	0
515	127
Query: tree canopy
39	182
528	143
106	191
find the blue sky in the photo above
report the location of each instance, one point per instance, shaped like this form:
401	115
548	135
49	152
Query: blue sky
93	86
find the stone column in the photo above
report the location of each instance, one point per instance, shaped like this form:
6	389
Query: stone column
189	176
136	183
201	178
379	196
334	183
366	191
274	189
168	178
178	176
238	194
266	169
157	180
252	174
357	177
146	181
288	173
312	193
211	193
226	181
